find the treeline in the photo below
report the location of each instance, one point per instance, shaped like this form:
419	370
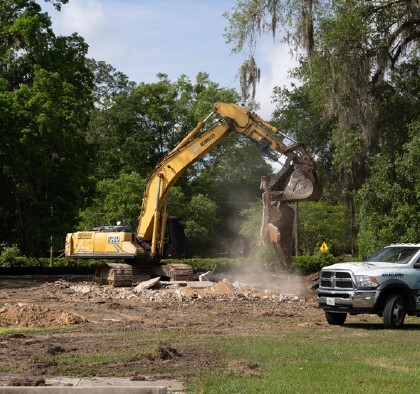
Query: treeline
79	140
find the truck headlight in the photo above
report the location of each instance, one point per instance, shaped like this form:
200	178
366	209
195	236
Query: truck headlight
366	281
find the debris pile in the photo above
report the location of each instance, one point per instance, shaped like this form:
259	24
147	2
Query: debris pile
25	315
157	290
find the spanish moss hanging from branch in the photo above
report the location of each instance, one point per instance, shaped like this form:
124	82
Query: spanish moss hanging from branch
249	77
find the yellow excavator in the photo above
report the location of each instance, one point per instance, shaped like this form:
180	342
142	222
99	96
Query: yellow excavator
158	235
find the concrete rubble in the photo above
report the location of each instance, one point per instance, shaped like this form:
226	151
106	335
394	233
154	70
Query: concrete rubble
155	282
157	290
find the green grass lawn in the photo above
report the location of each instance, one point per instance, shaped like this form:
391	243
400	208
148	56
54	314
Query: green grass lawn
359	357
352	359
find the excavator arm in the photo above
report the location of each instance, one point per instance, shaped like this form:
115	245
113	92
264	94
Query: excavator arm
296	181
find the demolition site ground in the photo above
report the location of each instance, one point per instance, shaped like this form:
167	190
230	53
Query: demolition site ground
70	327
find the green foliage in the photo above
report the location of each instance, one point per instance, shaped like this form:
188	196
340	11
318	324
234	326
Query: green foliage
138	126
115	200
177	202
13	259
322	222
45	94
201	220
9	255
311	264
297	115
348	155
109	83
357	97
251	225
318	222
389	200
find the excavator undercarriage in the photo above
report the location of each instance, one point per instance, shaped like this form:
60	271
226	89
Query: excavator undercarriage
122	274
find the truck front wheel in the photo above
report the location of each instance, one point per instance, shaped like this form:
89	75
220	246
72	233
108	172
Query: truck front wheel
394	311
336	319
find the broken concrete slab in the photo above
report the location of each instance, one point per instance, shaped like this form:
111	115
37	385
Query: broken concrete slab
84	289
83	390
174	282
200	285
100	385
155	282
60	381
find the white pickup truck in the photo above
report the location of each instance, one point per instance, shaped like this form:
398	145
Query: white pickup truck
386	284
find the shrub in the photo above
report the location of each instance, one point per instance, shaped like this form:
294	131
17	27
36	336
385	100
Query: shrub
9	255
310	264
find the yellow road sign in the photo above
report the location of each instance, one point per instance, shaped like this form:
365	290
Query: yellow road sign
324	248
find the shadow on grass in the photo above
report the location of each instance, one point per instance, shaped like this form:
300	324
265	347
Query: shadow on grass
380	326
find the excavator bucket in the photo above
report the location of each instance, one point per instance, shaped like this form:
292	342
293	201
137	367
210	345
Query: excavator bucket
302	186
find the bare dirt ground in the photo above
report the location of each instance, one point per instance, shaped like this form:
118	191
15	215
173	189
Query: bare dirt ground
149	334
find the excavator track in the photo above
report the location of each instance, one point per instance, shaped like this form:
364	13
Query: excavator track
121	274
115	274
171	271
178	271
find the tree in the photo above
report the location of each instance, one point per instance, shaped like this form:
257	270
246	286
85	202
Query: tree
351	49
201	222
45	97
323	222
389	200
143	124
116	200
302	119
350	46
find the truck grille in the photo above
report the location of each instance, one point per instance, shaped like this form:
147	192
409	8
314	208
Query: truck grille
336	280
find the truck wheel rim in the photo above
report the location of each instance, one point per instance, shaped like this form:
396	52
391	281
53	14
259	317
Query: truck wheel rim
397	313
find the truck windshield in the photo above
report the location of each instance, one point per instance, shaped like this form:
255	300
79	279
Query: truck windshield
400	255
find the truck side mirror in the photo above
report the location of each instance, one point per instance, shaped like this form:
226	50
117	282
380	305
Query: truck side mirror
416	264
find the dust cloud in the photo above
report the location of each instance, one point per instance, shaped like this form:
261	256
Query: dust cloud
257	276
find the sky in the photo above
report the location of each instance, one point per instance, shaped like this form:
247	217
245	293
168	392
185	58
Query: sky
145	37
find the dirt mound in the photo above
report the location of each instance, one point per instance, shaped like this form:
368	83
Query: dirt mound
219	288
223	287
36	316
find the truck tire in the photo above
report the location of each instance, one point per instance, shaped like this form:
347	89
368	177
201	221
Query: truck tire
394	311
336	319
